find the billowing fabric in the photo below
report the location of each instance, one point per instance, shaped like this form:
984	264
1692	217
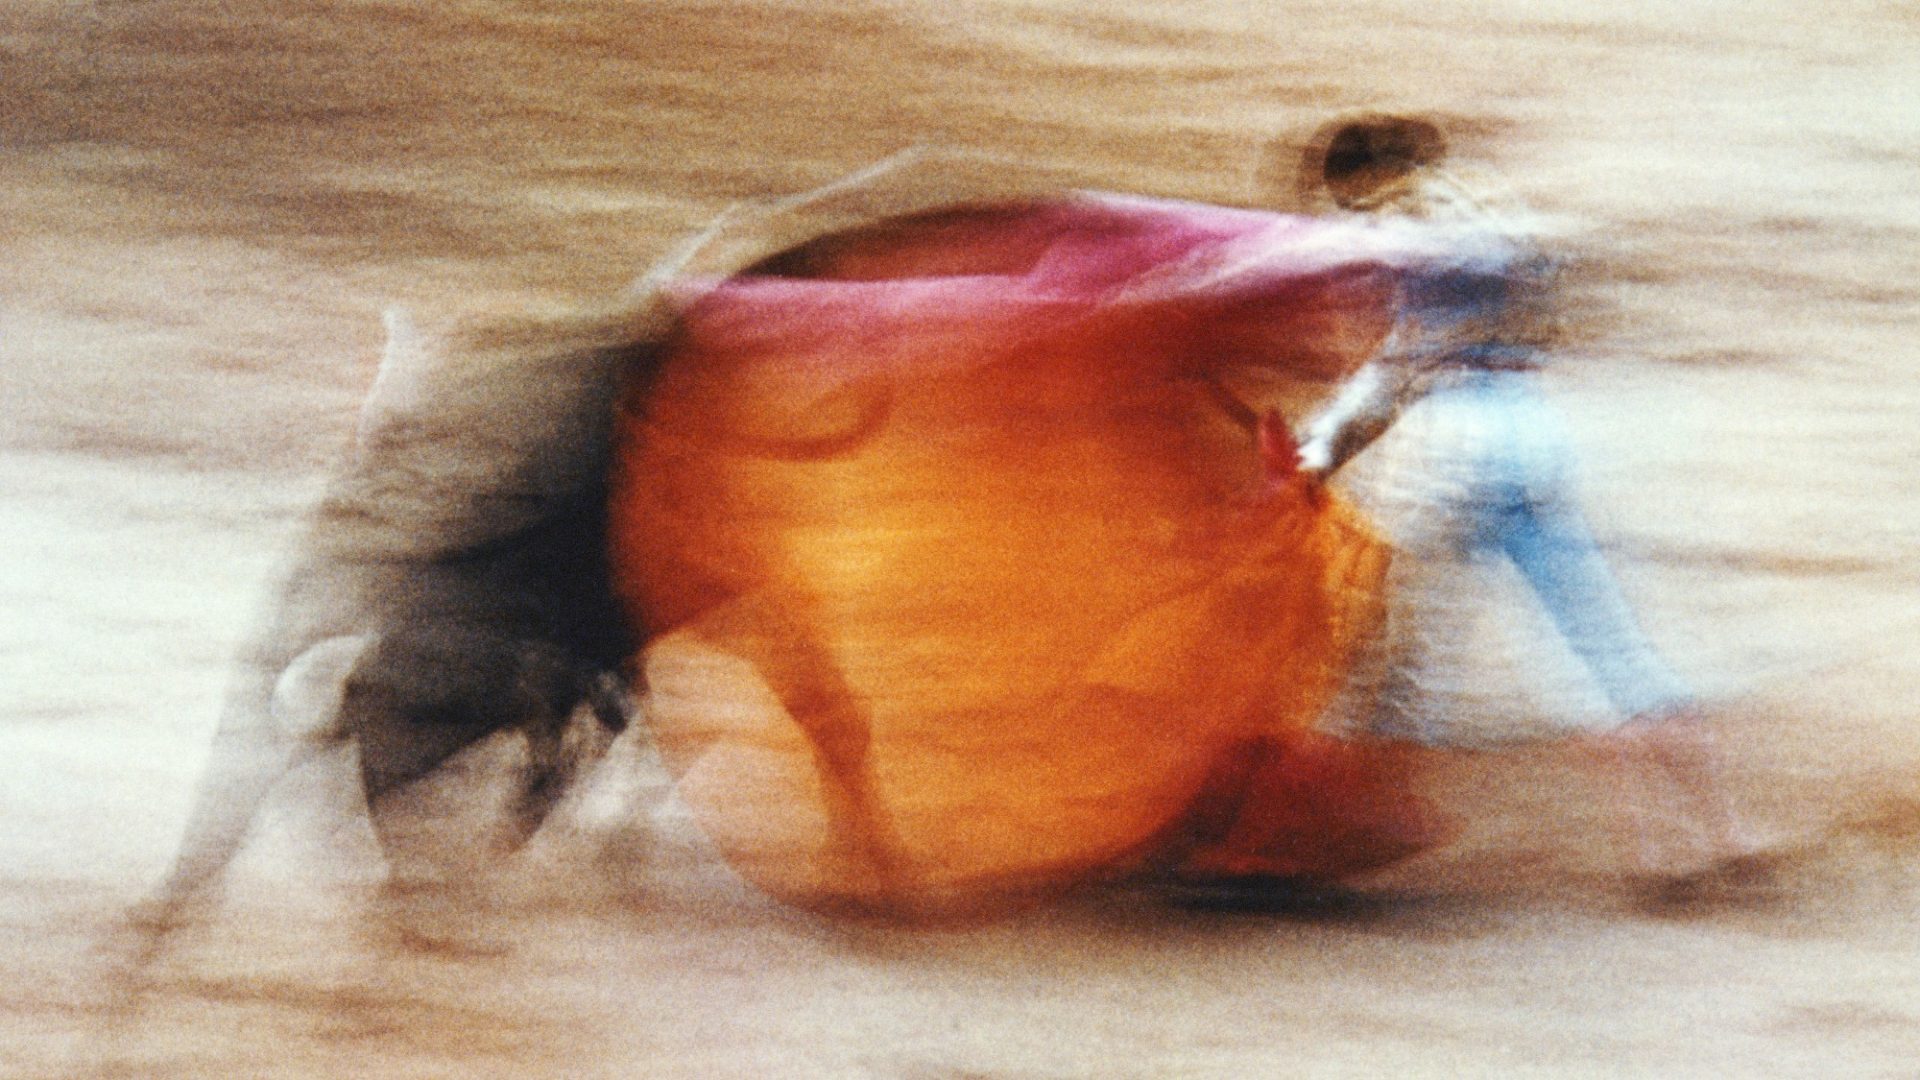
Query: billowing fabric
962	571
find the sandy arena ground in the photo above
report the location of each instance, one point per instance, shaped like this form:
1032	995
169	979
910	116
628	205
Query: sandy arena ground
207	206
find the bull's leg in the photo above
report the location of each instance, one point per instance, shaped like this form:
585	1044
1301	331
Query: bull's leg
562	737
429	693
424	699
409	714
275	721
410	711
783	646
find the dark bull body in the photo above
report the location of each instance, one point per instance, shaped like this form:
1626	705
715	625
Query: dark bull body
452	585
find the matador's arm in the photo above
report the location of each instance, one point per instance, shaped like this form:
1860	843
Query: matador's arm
1366	406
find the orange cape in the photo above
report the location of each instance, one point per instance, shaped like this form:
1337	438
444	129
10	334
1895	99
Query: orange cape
964	574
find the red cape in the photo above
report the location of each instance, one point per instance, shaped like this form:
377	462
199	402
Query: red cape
964	574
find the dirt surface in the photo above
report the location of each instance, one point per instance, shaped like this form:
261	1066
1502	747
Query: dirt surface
207	207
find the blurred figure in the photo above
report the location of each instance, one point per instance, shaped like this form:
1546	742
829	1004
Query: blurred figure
450	587
1482	473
